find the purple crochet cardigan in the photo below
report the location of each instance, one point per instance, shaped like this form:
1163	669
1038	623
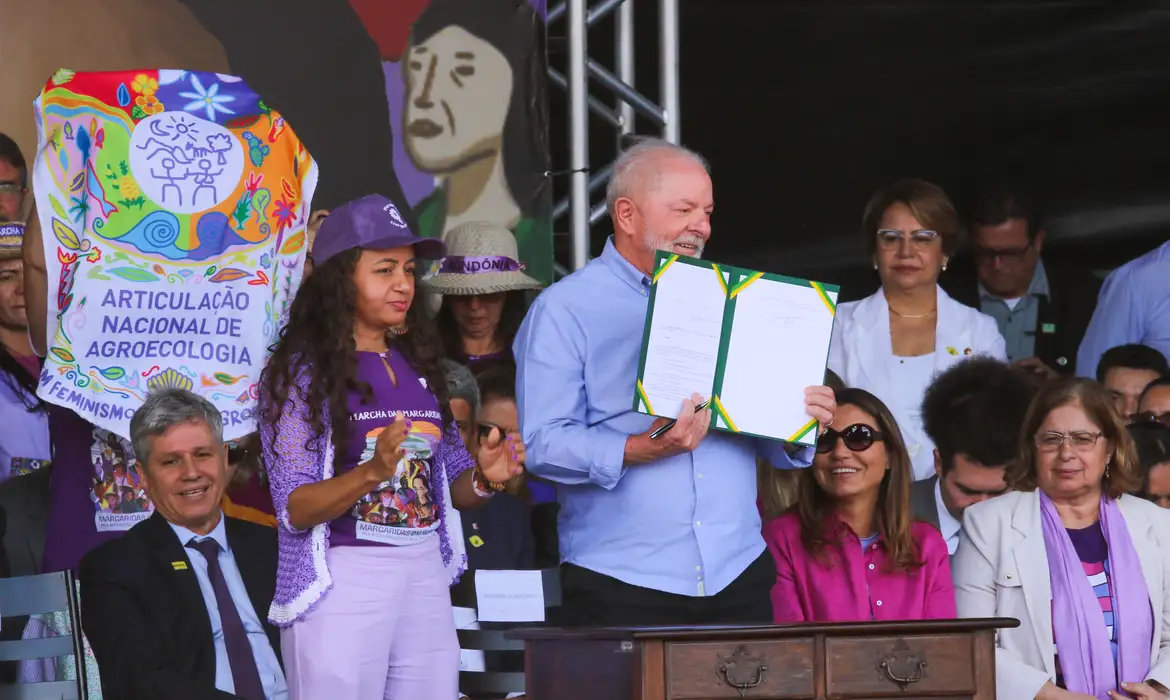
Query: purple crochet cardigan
302	575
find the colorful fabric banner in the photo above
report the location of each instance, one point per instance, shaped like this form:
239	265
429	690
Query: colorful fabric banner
173	207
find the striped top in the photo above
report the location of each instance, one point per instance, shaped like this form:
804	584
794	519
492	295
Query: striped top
1094	555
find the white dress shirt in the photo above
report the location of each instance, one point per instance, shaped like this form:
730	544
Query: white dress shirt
271	676
947	525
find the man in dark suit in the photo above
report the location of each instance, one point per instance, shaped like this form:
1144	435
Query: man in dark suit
973	412
1042	311
176	607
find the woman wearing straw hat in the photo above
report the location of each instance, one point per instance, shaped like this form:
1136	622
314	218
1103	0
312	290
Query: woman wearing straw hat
483	283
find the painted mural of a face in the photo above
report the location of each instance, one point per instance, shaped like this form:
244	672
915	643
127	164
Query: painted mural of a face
458	88
466	115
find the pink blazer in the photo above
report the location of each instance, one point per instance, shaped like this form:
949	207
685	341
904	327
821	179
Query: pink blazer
851	585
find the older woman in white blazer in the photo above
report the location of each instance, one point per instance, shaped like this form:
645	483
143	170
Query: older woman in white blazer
1082	565
893	343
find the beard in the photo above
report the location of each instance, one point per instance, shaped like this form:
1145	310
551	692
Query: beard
666	243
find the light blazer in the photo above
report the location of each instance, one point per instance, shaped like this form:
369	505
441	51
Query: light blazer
1001	570
862	354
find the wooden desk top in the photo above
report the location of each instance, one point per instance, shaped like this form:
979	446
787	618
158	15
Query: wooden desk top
717	633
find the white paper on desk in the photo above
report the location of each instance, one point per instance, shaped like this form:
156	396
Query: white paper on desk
509	596
682	344
779	345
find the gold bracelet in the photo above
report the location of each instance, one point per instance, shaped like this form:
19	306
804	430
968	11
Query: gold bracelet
483	486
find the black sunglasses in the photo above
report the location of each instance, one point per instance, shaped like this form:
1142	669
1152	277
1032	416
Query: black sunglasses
1151	417
858	437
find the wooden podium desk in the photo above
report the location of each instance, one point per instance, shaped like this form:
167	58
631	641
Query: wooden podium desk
908	660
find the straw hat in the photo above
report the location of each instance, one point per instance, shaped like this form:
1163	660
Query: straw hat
481	259
11	236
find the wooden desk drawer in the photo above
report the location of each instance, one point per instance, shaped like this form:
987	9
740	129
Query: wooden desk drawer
872	667
766	670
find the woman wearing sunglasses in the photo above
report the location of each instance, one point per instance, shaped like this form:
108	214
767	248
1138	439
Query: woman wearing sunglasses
850	550
894	342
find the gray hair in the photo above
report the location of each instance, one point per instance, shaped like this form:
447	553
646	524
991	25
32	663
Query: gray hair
166	408
637	165
461	385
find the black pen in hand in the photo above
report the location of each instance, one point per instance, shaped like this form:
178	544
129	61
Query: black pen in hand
670	424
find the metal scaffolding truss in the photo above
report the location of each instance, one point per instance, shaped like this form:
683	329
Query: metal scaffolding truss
580	15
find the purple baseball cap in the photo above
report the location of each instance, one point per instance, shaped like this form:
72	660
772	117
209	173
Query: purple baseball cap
372	222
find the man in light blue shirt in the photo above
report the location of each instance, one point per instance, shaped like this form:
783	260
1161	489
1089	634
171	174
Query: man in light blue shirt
271	675
1133	308
170	608
652	532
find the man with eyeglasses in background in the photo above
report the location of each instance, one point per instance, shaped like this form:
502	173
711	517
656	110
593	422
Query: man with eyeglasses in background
1041	313
13	180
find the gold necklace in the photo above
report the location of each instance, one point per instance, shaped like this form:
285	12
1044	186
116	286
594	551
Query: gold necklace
901	315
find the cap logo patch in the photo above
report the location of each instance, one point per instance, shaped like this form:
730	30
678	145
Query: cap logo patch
395	216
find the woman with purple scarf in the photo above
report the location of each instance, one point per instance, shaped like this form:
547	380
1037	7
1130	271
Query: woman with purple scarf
1082	564
367	468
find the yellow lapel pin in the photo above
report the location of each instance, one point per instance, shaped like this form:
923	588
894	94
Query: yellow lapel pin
179	565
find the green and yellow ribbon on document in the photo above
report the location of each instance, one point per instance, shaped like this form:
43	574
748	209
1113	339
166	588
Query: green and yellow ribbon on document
750	341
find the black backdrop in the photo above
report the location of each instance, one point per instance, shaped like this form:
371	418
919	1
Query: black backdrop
804	108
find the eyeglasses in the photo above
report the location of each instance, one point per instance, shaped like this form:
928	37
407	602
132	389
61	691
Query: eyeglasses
1151	417
858	437
986	255
1080	441
10	190
889	238
484	430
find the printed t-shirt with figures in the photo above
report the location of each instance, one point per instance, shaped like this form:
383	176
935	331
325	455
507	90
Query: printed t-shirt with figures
94	495
403	510
1093	551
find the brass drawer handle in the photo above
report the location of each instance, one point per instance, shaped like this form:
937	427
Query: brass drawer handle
902	665
911	677
741	671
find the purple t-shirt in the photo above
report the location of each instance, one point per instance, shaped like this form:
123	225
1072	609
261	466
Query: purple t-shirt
473	362
402	510
24	434
94	494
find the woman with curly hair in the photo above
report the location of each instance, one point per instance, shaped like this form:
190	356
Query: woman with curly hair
353	405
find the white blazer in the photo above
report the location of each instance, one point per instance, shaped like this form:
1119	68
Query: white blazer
862	354
1001	570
